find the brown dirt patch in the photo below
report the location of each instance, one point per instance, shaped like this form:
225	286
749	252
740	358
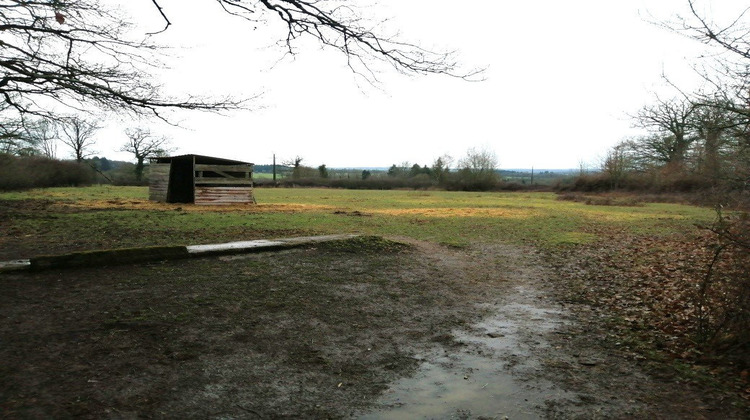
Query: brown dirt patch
315	332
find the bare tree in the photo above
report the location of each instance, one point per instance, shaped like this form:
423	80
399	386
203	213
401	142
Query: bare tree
653	151
618	162
27	137
78	134
477	170
712	123
143	144
12	136
479	161
79	53
296	165
43	135
722	112
671	121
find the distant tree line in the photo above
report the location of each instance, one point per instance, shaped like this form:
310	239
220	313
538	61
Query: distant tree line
476	171
694	143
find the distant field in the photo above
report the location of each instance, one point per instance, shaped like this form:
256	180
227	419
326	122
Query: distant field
124	217
262	175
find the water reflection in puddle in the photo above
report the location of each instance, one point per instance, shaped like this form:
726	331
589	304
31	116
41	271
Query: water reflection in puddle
492	376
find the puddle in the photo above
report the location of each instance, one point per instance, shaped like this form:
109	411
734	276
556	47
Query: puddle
491	376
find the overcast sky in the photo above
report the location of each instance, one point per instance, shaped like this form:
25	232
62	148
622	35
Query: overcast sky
561	78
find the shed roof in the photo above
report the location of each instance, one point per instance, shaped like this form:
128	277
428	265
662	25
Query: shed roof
206	160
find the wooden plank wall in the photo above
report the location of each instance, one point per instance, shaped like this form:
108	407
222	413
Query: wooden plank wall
223	195
158	182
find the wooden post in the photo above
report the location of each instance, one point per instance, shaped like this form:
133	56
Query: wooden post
193	173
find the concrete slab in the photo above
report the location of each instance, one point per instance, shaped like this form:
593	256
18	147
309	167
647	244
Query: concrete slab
136	255
260	245
14	265
232	246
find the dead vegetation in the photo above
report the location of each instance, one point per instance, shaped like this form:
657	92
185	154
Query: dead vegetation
659	303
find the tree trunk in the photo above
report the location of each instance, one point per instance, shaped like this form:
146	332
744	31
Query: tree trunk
139	168
676	162
711	163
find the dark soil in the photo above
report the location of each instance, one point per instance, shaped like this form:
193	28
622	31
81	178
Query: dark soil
318	332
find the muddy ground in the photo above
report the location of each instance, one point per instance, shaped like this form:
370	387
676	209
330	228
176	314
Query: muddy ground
348	329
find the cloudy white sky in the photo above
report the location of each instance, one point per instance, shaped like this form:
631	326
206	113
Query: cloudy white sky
561	78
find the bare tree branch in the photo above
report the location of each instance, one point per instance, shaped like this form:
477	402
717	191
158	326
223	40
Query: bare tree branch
80	53
166	19
77	54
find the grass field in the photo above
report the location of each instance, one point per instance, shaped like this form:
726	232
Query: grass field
263	175
625	273
451	218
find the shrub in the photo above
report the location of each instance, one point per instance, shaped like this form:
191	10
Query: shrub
723	296
18	173
603	200
124	174
651	182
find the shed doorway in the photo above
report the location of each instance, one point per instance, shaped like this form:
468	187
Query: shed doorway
180	188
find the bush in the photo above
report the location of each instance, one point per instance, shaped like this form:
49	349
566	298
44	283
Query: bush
19	173
620	200
723	296
124	174
649	182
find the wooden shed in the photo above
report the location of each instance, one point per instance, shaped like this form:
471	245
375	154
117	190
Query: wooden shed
201	180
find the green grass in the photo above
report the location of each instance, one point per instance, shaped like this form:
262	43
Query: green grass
99	192
452	218
456	217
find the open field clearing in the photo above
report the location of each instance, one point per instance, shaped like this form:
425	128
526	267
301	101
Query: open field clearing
55	220
477	305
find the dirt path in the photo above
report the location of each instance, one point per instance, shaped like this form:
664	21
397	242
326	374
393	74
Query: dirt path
532	356
359	328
